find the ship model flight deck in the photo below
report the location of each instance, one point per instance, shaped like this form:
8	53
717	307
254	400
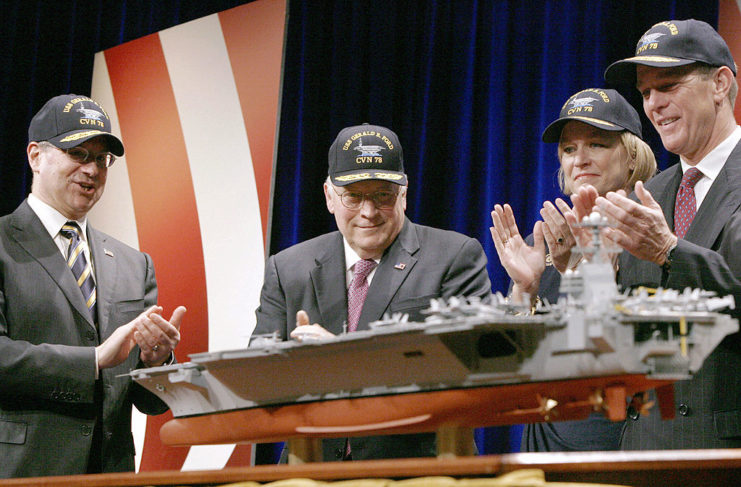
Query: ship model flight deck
471	363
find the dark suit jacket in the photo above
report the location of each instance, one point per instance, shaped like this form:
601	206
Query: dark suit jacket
421	264
709	257
49	397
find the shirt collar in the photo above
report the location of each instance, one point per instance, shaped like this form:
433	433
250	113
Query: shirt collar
51	218
351	257
711	164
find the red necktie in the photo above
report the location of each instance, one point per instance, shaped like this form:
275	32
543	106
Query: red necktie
685	206
358	291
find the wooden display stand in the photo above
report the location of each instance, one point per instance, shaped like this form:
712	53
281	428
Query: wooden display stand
452	442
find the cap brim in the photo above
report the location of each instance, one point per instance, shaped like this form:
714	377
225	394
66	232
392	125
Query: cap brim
349	177
552	132
624	71
77	137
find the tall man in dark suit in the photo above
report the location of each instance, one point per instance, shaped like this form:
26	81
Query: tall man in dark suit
74	305
684	227
378	253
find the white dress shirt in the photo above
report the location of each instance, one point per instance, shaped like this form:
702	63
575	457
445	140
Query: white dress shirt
711	164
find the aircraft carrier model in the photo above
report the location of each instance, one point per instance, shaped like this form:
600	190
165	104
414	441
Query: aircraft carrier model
471	363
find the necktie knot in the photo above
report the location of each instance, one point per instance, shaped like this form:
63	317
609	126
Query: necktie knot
363	268
691	177
71	230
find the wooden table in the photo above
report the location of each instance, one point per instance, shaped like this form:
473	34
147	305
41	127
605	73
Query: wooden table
649	469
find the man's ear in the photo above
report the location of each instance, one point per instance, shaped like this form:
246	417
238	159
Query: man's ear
33	152
403	196
722	83
328	197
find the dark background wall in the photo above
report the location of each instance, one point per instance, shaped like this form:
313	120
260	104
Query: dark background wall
467	85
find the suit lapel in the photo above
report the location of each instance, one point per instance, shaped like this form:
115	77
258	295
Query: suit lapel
105	264
395	266
29	232
328	280
667	193
719	204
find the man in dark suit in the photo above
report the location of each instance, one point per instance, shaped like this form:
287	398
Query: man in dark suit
75	303
405	264
677	235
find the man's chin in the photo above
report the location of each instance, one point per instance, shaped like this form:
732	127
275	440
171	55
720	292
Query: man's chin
84	205
672	142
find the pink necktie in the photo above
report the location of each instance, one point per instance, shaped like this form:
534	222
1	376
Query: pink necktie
355	298
357	292
685	206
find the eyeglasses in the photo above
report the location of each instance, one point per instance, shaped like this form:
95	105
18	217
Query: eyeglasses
381	199
81	155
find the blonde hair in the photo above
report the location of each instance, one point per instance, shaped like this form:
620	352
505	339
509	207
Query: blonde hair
644	162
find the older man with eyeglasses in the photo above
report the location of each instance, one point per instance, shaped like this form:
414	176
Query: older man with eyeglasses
78	308
378	262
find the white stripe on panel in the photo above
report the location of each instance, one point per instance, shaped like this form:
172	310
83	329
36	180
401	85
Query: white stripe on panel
114	212
207	457
223	177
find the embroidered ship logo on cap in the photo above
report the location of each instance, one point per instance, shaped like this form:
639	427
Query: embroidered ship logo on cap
90	113
582	102
649	39
368	150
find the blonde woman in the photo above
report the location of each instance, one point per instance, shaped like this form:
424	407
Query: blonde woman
599	143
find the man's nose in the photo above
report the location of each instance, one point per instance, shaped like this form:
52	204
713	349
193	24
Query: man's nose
368	207
654	100
90	168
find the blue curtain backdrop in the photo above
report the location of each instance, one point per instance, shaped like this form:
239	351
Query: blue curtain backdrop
467	85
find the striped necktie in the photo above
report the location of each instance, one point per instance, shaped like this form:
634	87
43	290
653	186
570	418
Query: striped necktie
81	268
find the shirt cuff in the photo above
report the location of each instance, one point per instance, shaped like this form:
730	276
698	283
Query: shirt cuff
97	367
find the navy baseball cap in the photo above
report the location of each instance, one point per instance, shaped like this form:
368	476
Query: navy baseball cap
601	108
673	43
67	121
366	152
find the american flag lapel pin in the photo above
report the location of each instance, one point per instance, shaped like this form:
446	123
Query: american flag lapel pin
400	266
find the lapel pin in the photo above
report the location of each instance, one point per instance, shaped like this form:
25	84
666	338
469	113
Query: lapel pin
400	266
108	252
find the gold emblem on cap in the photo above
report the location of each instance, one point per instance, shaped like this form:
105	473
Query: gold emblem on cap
80	135
388	175
593	120
658	59
353	177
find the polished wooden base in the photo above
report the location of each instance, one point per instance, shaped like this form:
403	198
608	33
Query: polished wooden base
639	469
452	441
